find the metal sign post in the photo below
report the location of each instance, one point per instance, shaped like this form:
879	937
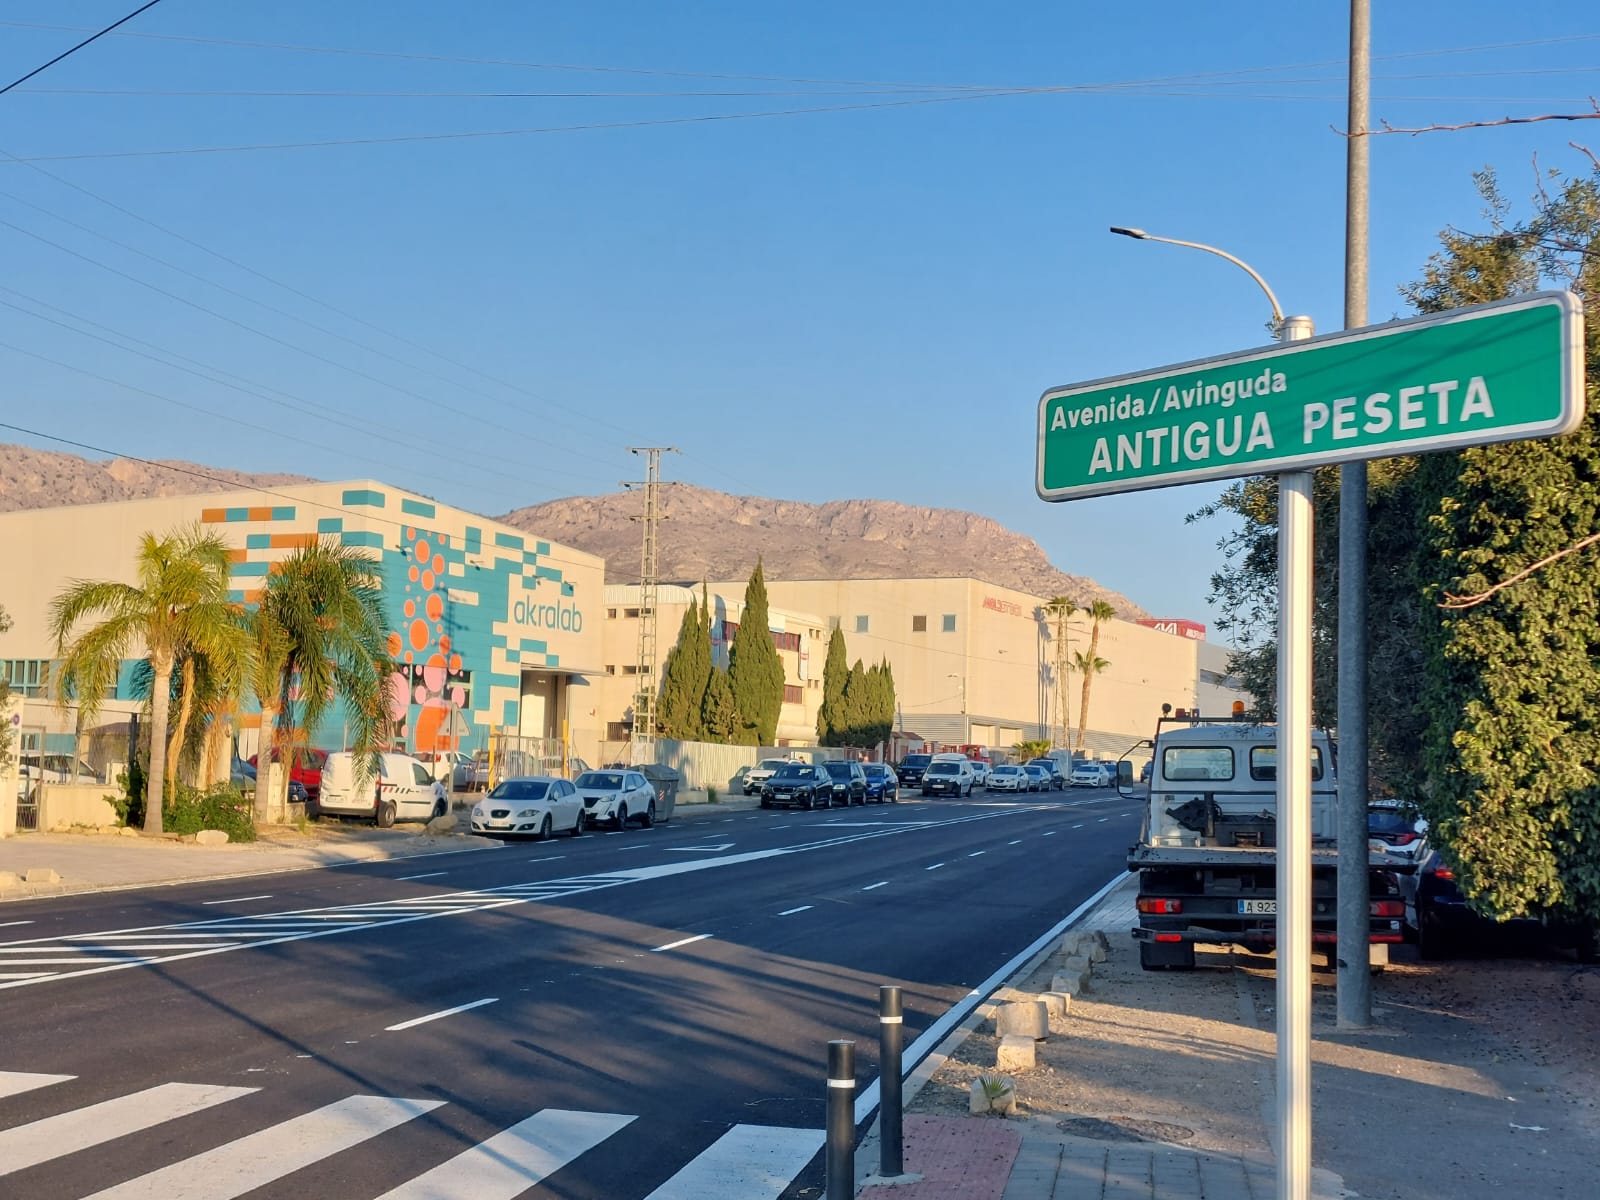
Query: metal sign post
1490	373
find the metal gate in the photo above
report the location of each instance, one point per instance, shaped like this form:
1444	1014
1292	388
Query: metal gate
30	759
510	755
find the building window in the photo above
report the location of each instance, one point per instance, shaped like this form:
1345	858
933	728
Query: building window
793	694
611	668
611	614
630	612
30	676
786	641
919	624
861	624
833	623
949	622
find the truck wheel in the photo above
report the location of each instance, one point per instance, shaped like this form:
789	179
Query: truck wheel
385	814
1166	956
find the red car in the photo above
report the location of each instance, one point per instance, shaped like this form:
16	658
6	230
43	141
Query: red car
306	769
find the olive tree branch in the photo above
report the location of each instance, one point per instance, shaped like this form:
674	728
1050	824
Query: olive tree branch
1384	127
1452	601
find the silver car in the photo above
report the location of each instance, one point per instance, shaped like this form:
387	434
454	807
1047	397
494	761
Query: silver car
616	797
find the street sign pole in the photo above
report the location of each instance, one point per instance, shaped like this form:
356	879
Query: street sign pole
1295	582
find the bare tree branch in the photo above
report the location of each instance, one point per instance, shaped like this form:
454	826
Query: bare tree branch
1584	150
1452	601
1385	127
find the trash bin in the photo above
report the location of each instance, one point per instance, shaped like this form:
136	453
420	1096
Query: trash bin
665	780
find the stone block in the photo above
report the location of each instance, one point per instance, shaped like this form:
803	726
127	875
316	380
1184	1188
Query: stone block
992	1094
1062	998
1070	983
1078	963
9	879
1096	952
40	875
211	837
1017	1053
442	825
128	831
1026	1018
1069	946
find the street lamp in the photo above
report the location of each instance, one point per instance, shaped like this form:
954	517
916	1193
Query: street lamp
1294	784
962	680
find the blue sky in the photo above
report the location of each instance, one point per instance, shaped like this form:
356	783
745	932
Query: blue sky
857	303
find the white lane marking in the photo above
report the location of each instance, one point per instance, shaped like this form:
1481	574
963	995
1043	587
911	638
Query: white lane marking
778	827
1077	826
443	1012
975	853
4	924
1050	833
50	1138
749	1162
304	924
237	899
789	912
1103	820
513	1160
718	848
25	975
247	1163
699	937
879	884
935	867
547	858
424	875
124	948
1018	842
622	849
14	1083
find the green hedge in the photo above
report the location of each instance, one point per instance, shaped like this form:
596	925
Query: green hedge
191	810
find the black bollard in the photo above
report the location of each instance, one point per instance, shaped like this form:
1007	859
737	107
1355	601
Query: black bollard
840	1155
891	1158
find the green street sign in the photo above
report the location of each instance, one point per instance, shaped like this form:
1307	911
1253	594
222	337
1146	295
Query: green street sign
1491	373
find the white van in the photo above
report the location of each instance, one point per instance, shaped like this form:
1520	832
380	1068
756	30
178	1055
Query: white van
401	790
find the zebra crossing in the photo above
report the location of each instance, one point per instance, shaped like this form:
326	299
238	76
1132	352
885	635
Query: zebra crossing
746	1162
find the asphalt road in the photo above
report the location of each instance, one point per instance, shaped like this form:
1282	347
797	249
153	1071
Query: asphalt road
631	1015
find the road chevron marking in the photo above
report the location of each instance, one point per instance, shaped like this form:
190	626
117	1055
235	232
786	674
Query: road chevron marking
89	952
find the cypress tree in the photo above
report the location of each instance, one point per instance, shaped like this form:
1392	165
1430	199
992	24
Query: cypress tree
677	714
857	706
754	669
719	715
835	672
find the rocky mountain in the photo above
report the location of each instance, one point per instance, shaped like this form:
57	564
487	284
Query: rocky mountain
708	535
43	479
712	535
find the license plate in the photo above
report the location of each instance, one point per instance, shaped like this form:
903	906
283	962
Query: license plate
1258	908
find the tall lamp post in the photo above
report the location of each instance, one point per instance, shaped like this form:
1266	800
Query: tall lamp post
1294	785
962	680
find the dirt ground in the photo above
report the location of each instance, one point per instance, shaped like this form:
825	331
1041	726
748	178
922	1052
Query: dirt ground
1511	1044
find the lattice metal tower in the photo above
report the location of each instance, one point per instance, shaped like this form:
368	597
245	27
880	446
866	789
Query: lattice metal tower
644	701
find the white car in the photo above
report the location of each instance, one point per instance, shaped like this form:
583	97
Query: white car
400	789
1008	777
453	768
616	796
980	772
756	777
1091	774
530	806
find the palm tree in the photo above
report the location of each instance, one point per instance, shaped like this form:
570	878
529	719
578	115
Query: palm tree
178	608
321	627
1062	609
1099	613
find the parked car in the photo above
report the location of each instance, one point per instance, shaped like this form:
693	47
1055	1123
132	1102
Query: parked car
453	768
1052	769
947	777
911	768
1009	777
883	785
399	789
1040	779
980	772
530	806
616	797
305	768
797	785
849	782
756	777
1144	771
243	776
1092	774
1399	826
1444	925
34	768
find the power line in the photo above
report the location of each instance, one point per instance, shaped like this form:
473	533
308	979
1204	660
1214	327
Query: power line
398	139
79	46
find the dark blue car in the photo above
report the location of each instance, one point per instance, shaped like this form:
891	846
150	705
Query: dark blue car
882	783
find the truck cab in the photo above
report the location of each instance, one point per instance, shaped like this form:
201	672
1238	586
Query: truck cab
1207	851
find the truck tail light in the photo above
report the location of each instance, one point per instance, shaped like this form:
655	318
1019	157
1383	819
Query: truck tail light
1149	904
1169	937
1388	908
